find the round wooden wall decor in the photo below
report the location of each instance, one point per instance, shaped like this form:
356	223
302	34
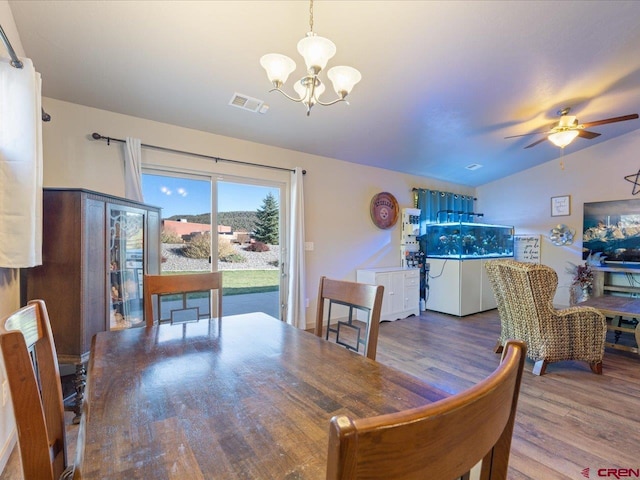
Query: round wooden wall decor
384	210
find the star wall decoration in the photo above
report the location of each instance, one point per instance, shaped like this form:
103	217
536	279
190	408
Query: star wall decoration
635	179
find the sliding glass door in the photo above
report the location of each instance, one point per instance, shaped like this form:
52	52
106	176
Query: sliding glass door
230	224
249	253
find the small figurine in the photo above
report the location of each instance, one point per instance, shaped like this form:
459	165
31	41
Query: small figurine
595	259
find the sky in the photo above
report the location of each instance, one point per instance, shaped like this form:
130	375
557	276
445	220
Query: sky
185	196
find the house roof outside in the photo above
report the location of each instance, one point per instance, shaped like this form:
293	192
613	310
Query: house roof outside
183	228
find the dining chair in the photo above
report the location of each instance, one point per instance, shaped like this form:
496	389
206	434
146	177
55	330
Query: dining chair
32	372
182	305
363	300
442	440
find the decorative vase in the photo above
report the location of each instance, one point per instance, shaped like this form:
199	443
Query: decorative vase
584	294
579	294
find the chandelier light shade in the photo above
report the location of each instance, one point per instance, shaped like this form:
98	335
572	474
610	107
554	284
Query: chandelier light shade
305	93
343	79
316	51
278	67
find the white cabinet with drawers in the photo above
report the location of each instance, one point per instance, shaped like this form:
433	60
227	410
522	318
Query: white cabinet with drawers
401	290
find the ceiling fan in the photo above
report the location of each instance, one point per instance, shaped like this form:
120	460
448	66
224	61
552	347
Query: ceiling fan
568	129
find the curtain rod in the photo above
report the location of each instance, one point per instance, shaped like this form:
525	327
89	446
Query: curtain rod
97	136
15	62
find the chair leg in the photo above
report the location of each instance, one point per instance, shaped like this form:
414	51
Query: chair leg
596	367
498	348
539	367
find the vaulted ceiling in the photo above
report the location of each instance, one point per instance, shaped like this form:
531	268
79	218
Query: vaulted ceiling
443	82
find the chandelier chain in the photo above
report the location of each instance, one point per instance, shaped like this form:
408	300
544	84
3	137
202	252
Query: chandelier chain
311	16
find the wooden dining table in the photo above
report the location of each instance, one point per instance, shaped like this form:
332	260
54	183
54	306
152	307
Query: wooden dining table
244	397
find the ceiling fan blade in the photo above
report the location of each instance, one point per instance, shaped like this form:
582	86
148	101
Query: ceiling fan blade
526	134
536	142
610	120
587	135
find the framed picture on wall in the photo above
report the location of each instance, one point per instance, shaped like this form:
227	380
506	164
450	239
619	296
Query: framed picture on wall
561	206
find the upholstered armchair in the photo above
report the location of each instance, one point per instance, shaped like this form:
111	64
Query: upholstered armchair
524	293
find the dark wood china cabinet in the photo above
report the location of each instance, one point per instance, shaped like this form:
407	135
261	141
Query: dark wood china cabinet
96	249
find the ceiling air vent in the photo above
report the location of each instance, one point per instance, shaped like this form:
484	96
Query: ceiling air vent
473	166
248	103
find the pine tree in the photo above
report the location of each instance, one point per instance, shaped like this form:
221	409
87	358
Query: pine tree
267	225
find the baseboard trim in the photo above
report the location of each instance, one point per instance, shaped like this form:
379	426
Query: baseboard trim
7	449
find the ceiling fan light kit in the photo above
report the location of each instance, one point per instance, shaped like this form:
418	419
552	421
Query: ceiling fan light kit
569	128
563	138
316	51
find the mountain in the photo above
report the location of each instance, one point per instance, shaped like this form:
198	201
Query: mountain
238	221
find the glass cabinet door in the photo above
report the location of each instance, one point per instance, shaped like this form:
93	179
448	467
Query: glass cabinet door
126	266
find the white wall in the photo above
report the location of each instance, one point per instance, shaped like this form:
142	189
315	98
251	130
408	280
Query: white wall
590	175
337	193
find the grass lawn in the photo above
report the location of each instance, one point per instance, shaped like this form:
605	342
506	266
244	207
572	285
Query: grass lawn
239	282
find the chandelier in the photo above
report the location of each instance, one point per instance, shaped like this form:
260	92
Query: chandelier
316	51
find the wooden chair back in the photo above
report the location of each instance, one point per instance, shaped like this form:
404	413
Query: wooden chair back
442	440
157	285
33	376
356	297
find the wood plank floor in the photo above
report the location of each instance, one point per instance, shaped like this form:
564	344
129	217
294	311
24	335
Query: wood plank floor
568	420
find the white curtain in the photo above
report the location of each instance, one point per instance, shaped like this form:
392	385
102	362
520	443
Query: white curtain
133	169
20	165
296	310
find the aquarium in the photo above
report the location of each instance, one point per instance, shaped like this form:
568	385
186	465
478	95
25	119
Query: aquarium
464	240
